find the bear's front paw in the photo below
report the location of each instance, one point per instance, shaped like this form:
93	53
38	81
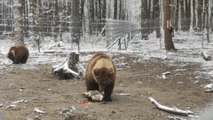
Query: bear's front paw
107	99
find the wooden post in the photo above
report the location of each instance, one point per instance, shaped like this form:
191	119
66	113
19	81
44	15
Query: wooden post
125	43
169	46
119	44
129	37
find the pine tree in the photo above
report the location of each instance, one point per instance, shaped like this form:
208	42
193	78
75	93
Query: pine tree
18	22
168	29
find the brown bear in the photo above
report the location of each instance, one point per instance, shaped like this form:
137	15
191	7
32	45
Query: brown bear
18	54
100	75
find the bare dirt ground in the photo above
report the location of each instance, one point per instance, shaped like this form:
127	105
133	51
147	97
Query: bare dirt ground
39	88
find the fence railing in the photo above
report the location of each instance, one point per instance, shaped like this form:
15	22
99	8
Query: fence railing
121	43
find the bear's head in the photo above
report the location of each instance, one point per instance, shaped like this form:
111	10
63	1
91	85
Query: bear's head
11	53
104	77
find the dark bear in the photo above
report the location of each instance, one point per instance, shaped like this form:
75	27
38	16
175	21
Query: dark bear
18	54
100	75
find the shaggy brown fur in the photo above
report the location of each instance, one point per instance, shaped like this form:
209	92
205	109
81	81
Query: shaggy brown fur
100	75
18	54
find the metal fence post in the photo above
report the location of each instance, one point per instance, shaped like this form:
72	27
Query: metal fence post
119	44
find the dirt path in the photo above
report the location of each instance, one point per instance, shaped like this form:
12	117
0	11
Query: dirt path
40	89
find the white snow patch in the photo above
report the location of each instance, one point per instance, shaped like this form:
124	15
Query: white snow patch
190	45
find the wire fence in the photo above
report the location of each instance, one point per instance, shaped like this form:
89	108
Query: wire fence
60	29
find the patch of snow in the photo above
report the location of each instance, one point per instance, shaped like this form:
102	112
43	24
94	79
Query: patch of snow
190	45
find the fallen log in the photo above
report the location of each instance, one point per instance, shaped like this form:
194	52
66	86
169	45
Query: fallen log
209	90
206	56
173	110
165	74
69	68
209	87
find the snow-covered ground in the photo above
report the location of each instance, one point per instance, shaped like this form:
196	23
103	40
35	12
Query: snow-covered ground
190	45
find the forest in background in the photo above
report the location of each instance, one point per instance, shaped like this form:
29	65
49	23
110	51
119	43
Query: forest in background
55	17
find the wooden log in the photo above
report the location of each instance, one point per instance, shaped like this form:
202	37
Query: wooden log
209	88
206	56
173	110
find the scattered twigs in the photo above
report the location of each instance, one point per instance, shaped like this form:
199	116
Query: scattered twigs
37	110
173	110
14	104
66	111
165	74
176	118
122	94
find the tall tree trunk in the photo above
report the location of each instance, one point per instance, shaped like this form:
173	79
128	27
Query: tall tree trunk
196	14
180	12
187	15
115	9
82	16
76	22
91	16
56	21
144	29
169	46
156	17
191	15
103	16
120	10
208	20
18	22
37	21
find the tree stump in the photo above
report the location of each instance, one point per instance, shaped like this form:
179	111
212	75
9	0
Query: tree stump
73	60
70	68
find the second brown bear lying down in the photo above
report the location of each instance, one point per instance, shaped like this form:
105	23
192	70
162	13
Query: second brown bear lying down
18	54
100	75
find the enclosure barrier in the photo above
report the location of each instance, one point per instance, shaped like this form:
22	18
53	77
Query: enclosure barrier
122	43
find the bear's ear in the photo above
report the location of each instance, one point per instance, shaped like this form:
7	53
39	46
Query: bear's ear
96	72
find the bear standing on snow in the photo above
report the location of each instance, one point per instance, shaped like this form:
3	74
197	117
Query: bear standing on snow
18	54
100	75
